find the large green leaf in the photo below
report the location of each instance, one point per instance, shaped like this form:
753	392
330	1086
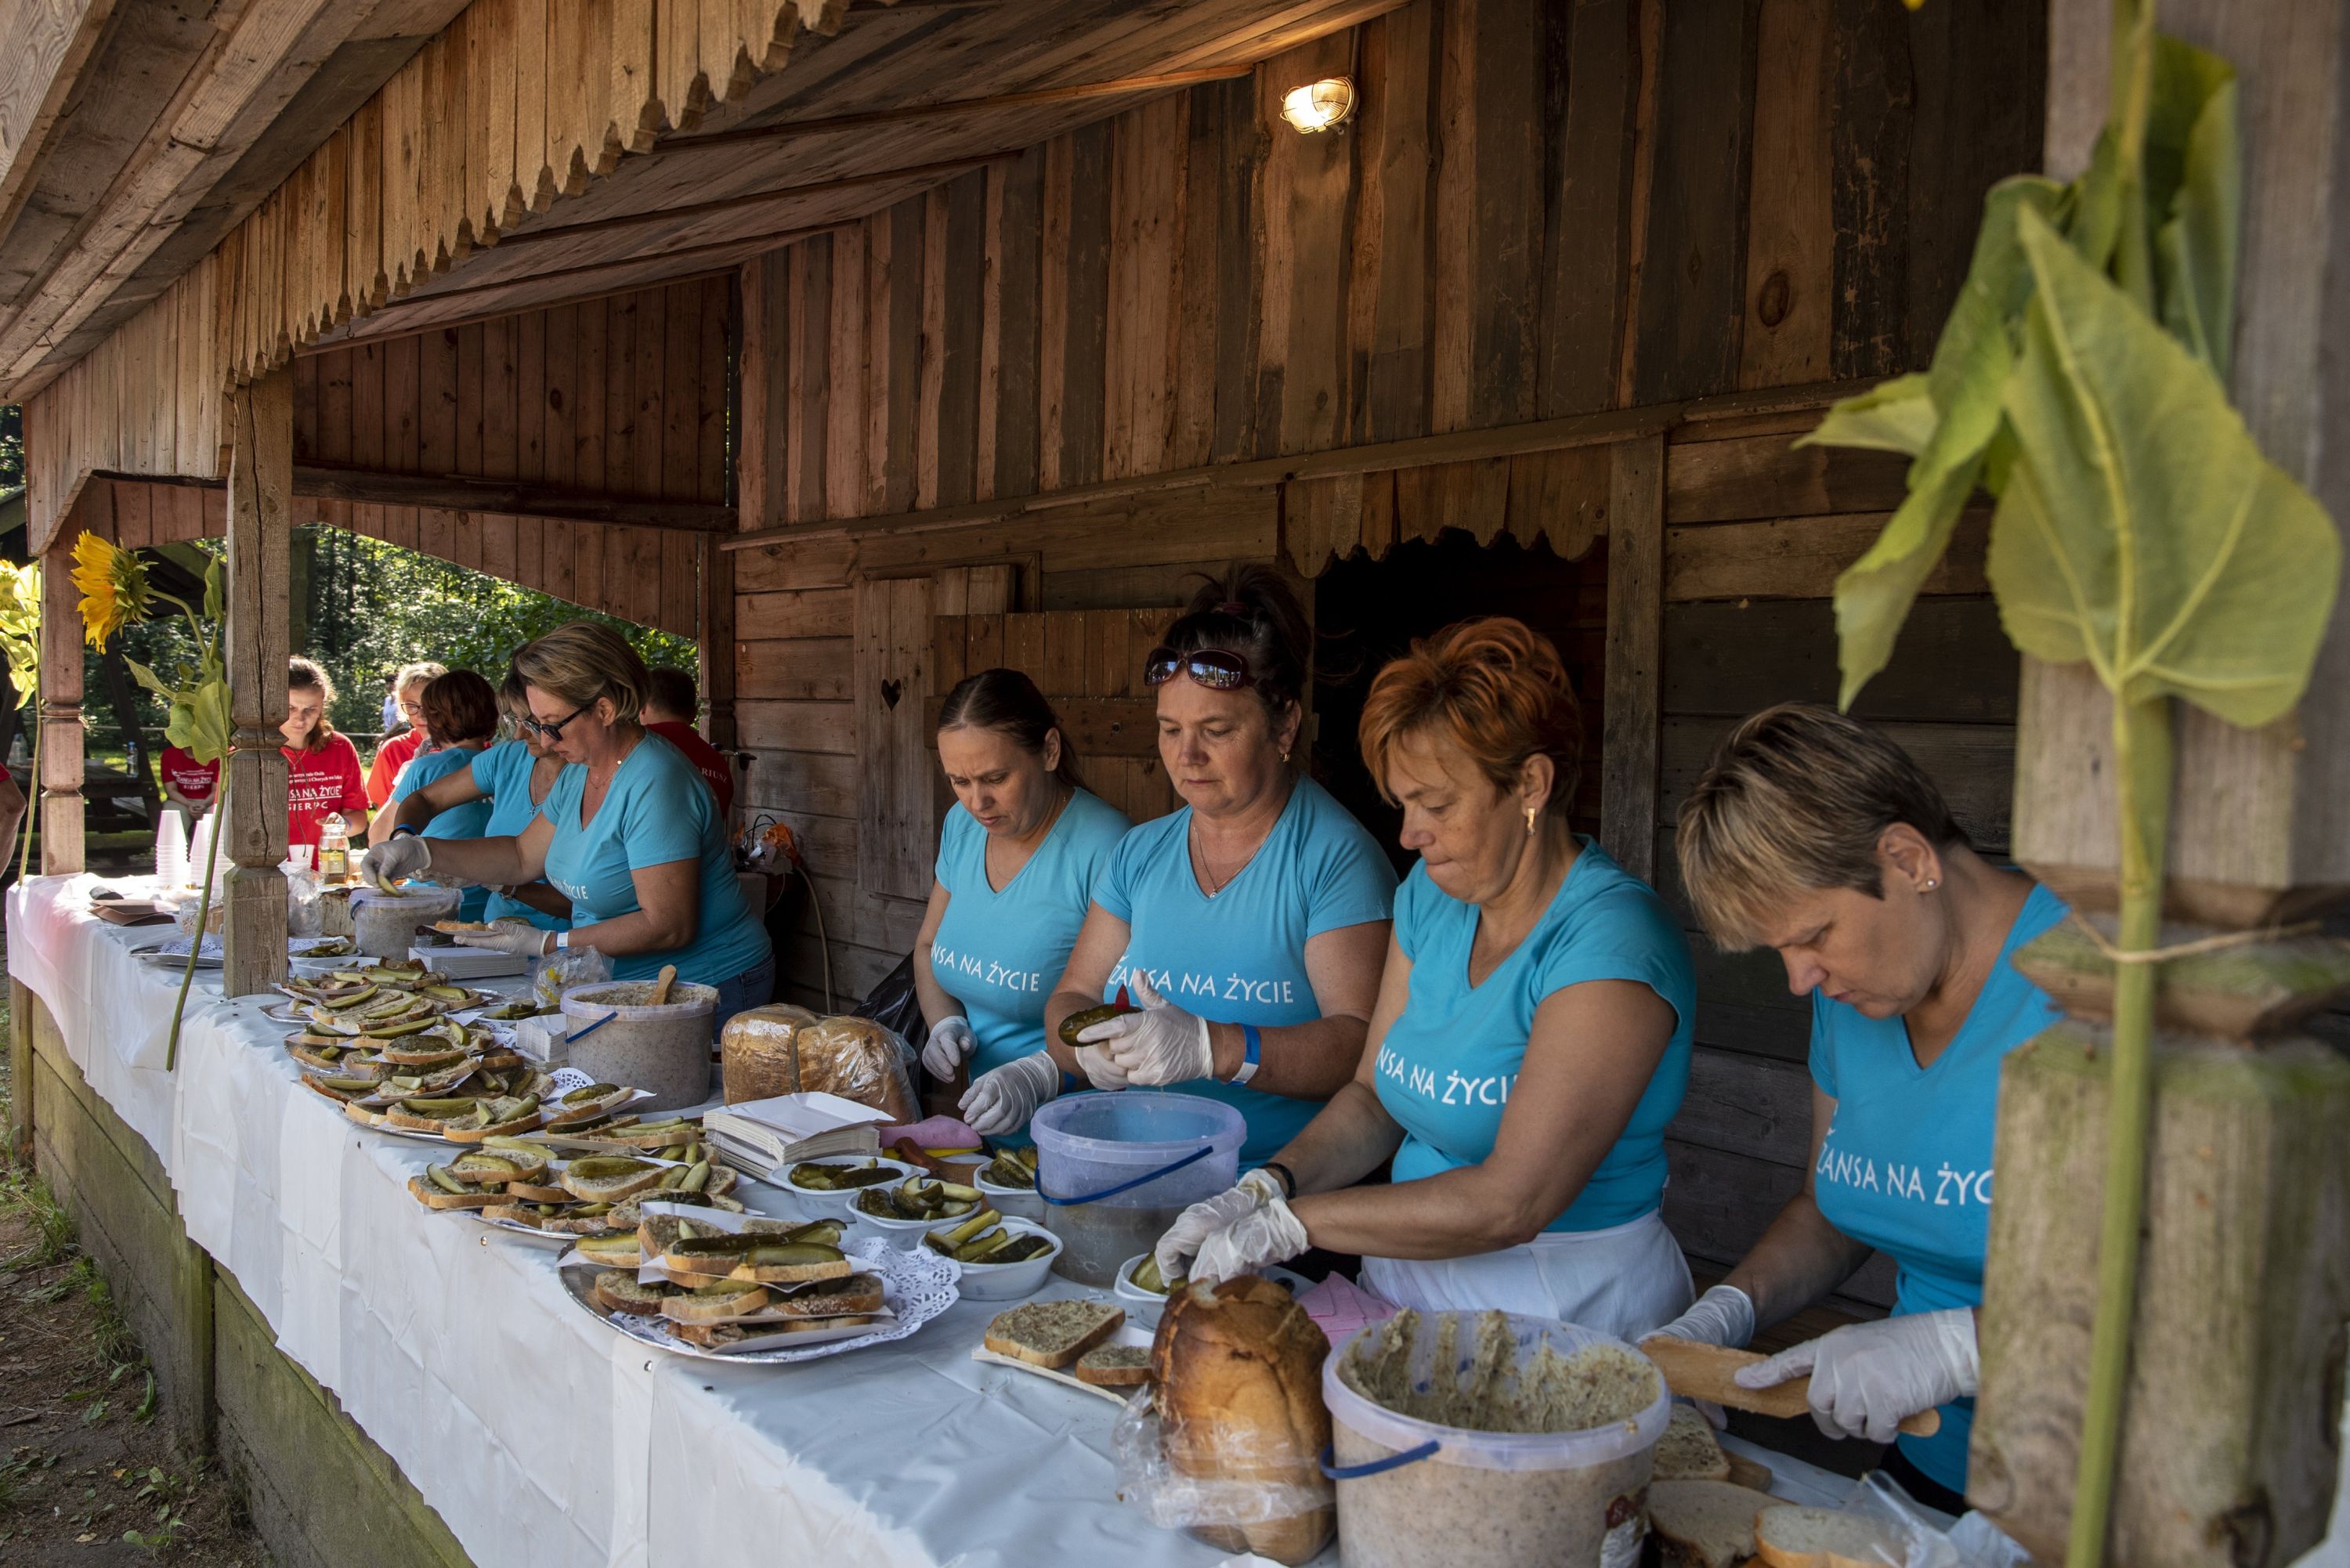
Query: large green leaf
2193	172
1970	365
199	724
2141	529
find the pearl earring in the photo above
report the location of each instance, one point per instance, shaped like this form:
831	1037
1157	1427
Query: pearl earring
1930	885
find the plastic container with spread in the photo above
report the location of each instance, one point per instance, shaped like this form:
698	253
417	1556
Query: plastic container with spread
1415	1491
1113	1171
618	1035
383	925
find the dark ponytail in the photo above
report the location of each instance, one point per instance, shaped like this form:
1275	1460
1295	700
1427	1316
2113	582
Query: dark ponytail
1008	700
1251	611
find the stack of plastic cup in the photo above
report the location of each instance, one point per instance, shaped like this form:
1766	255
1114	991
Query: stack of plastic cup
171	850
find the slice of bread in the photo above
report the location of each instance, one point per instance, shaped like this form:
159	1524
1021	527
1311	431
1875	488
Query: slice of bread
857	1294
492	1168
521	1123
433	1197
1115	1365
568	1112
1688	1450
608	1179
536	1192
1052	1333
792	1263
715	1336
720	1302
617	1289
613	1249
1786	1536
656	1233
1703	1523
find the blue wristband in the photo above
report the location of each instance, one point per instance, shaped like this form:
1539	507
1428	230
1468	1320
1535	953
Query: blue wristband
1071	1083
1254	1055
403	827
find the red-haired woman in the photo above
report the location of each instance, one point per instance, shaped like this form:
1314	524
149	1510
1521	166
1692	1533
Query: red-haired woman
1532	1037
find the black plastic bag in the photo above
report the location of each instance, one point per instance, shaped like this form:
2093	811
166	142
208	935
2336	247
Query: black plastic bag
894	1005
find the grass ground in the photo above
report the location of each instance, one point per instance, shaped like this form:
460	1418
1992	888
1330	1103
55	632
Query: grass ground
87	1474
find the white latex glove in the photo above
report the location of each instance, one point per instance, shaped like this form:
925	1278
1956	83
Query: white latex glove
1865	1376
950	1043
1002	1101
1161	1045
1723	1316
1100	1071
519	937
1254	1242
1209	1215
406	855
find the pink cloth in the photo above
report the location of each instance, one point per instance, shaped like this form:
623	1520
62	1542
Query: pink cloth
939	1132
1340	1306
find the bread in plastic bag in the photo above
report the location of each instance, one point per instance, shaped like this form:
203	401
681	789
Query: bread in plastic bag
1912	1538
1227	1441
779	1049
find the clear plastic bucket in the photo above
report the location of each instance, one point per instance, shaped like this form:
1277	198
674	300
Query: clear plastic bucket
383	925
1415	1491
1114	1170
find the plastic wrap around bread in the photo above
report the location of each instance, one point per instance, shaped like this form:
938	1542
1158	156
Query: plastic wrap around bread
780	1049
1238	1368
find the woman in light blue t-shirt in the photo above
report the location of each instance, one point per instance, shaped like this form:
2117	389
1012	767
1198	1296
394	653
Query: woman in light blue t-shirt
461	718
1818	836
1532	1038
1249	924
1017	861
508	780
631	835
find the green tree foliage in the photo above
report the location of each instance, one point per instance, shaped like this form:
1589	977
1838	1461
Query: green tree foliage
12	447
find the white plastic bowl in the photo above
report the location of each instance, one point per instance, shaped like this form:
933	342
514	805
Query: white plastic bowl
1141	1306
841	1205
1009	1282
1011	1202
904	1234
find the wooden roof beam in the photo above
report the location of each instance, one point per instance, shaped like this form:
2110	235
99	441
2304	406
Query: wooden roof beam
1075	92
947	169
50	43
457	492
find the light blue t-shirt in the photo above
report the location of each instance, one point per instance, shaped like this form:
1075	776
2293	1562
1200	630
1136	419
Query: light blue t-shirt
502	773
1240	957
657	810
469	820
1906	1166
1000	952
1448	1063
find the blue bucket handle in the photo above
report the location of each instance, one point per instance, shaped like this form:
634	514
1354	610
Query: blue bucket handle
1200	1153
1375	1466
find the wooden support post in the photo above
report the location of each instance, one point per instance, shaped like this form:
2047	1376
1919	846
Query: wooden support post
60	803
2229	1444
1632	735
715	639
260	486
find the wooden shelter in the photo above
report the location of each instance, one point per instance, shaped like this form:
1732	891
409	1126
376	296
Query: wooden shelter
869	344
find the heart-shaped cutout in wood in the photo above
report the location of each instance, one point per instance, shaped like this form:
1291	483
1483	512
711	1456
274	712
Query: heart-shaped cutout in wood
890	692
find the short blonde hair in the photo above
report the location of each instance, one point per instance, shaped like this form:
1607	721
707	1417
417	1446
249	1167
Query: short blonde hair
583	661
1495	689
1795	799
422	673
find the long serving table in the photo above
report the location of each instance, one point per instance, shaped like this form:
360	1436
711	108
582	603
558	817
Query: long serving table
536	1433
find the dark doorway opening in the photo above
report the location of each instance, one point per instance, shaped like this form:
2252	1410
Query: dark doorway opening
1366	612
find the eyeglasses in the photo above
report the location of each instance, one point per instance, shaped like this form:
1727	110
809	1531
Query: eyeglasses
552	730
1214	667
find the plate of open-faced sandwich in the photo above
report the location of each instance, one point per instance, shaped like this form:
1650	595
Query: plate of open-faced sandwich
741	1287
520	1184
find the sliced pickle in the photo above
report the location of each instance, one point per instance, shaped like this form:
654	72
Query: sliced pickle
604	1165
983	1250
454	1105
696	1178
442	1177
968	1229
821	1234
1146	1277
591	1092
1005	1170
790	1254
1021	1250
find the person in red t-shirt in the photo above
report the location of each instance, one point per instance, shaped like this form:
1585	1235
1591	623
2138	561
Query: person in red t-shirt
323	766
669	704
189	784
383	773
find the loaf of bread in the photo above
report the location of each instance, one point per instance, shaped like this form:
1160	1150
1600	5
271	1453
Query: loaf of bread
783	1050
1239	1372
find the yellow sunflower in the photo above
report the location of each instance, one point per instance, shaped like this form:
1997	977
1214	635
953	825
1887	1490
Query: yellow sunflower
113	584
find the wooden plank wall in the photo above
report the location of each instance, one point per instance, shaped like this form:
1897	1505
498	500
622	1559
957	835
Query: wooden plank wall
1755	534
515	104
1542	210
622	396
645	575
1538	211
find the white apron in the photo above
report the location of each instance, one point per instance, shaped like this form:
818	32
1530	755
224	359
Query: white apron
1626	1279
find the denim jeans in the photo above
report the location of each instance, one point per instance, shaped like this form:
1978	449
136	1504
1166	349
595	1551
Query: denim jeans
753	988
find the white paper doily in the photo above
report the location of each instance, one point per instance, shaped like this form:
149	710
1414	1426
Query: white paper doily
918	1286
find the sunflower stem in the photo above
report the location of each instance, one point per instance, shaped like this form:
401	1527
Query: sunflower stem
33	801
204	917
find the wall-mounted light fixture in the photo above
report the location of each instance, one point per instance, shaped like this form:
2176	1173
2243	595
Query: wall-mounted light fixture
1318	106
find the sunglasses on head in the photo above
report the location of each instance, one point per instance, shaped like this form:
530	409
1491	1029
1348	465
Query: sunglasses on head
1214	667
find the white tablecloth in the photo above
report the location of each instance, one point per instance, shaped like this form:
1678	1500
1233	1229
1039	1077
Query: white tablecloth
538	1434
